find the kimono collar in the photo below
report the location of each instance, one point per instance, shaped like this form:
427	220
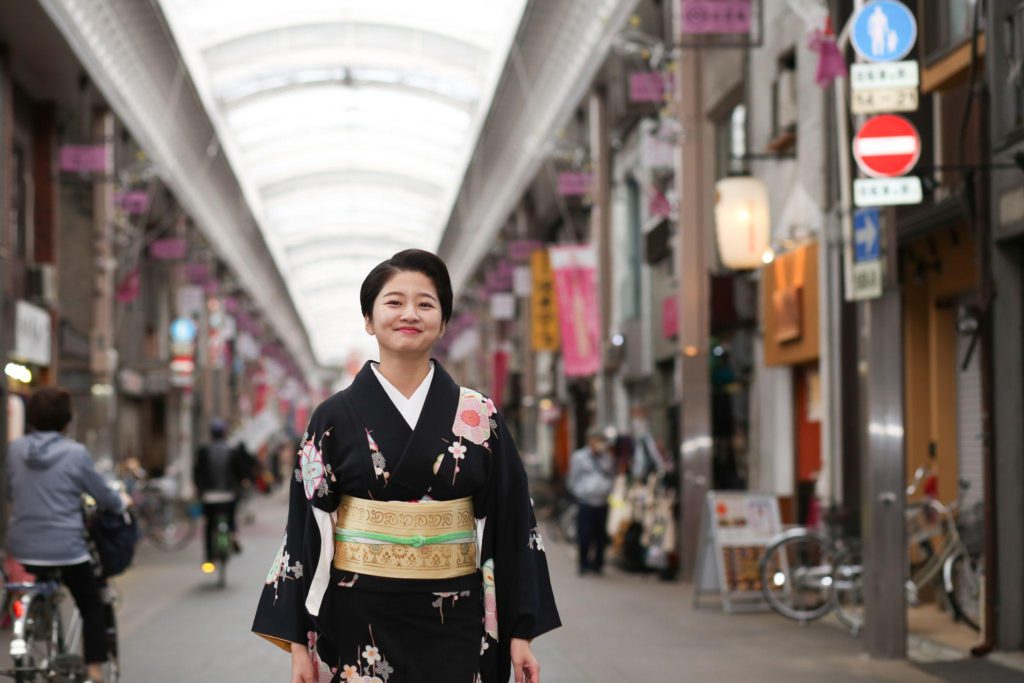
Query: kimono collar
410	407
410	452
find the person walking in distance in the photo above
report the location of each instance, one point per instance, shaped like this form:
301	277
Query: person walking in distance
591	476
219	474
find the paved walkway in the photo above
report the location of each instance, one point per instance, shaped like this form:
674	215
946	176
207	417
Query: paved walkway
176	627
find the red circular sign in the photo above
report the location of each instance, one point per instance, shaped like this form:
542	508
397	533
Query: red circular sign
887	146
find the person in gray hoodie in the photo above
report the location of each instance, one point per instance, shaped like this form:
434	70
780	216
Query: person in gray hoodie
47	473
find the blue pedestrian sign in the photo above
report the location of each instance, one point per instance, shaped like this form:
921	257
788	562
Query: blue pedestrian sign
866	235
884	31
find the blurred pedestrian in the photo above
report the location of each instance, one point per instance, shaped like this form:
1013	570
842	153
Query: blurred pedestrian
219	474
591	477
47	475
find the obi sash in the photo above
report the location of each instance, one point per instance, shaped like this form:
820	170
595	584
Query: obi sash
429	540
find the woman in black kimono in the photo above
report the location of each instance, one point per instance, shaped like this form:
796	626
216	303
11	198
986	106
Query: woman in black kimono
411	552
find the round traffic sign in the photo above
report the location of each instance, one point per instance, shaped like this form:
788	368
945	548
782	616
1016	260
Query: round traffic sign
883	31
887	146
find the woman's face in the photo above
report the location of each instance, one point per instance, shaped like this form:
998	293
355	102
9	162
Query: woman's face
406	314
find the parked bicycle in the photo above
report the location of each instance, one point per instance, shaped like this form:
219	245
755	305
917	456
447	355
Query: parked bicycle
46	646
166	519
807	574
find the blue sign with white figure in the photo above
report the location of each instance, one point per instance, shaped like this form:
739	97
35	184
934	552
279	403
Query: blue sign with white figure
866	235
884	31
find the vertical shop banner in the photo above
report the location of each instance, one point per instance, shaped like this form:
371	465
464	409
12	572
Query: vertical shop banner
579	315
499	376
543	312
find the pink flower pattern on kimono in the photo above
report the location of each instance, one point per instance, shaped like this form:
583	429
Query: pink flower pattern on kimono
282	569
490	600
375	670
377	458
473	417
322	672
312	471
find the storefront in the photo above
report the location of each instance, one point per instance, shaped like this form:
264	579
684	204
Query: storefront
790	310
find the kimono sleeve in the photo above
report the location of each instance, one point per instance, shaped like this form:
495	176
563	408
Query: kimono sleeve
281	614
525	599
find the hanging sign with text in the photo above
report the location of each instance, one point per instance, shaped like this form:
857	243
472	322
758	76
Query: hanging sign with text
716	16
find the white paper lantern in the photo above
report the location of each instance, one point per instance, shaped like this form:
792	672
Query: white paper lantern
742	222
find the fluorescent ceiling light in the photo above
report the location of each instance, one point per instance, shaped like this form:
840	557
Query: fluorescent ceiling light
349	124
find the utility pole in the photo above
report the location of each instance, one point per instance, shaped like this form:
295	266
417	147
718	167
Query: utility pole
103	357
692	299
601	233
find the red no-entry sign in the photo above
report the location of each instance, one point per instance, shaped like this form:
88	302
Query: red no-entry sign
887	146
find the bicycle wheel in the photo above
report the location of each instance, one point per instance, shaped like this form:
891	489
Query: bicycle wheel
41	647
962	576
796	576
848	588
171	526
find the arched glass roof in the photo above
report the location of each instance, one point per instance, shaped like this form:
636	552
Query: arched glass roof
349	124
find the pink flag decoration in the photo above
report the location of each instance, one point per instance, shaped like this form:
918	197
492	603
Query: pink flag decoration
574	184
579	315
134	202
128	288
169	249
83	158
831	64
646	86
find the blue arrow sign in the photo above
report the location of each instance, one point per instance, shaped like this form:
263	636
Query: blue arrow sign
866	234
884	31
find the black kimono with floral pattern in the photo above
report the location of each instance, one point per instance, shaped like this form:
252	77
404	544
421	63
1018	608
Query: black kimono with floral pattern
374	629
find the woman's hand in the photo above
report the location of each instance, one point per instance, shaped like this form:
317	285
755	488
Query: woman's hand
525	665
302	665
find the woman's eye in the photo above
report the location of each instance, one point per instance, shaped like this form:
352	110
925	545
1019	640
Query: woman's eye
427	305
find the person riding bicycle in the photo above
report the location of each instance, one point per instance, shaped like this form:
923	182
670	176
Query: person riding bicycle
219	474
47	474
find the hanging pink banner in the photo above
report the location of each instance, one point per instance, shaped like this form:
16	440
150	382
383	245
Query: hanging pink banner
134	202
574	183
716	16
646	86
499	376
669	317
579	315
83	158
171	249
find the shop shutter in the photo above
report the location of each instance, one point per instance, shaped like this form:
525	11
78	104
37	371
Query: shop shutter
969	422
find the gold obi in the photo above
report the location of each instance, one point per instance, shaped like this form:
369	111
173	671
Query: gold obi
432	540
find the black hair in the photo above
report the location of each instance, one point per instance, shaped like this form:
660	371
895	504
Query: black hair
49	409
410	260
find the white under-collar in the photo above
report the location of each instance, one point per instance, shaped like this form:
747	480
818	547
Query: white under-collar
411	407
